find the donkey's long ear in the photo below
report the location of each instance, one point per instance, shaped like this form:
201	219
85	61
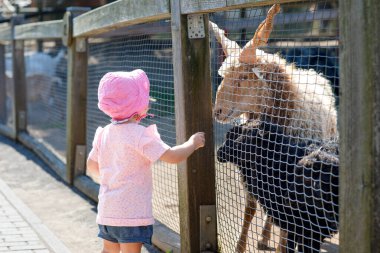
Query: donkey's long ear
248	54
229	47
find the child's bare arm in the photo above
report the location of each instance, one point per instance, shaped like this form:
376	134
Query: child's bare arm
93	168
181	152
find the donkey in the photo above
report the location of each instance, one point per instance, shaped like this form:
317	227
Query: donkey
258	86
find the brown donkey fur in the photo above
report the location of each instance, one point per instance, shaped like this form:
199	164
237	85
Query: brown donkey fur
258	85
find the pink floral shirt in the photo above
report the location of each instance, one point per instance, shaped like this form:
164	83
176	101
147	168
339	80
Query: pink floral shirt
125	153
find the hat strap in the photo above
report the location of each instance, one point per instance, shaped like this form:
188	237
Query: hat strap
116	122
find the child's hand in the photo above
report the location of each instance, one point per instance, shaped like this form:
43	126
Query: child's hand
198	140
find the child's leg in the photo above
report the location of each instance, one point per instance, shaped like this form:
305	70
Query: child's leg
131	247
110	247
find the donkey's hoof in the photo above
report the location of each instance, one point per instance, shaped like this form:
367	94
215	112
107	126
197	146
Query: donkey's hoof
264	246
240	248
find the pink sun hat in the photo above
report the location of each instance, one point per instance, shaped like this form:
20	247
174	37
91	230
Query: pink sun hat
123	94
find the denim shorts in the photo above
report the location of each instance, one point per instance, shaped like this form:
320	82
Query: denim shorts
141	234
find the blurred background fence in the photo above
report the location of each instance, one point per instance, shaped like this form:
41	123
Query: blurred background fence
49	73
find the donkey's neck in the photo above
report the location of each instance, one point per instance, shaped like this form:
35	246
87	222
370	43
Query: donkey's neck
300	100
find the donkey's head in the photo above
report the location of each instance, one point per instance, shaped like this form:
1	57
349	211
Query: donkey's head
243	87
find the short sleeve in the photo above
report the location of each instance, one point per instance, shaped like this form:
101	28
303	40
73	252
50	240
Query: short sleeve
93	155
151	145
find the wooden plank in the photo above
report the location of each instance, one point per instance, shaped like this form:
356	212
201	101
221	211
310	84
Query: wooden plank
165	239
5	34
3	96
200	6
250	3
19	91
40	30
359	126
281	18
120	14
158	28
76	103
53	161
8	132
193	110
196	6
87	186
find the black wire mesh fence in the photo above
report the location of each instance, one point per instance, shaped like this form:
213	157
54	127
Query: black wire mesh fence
152	53
46	88
276	127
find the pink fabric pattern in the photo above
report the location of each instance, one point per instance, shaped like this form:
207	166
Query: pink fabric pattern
125	153
123	94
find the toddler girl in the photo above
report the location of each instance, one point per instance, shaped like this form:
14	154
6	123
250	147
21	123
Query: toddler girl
121	156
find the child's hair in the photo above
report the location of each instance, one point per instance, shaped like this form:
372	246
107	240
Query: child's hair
122	95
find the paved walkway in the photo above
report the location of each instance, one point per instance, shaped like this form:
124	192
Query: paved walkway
21	230
39	213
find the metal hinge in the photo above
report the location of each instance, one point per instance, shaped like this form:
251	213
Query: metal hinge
195	26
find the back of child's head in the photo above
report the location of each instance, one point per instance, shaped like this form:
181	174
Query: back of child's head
122	95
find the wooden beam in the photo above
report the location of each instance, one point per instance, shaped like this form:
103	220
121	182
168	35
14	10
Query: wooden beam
52	160
3	88
255	3
40	30
359	126
87	186
120	14
8	132
159	27
5	34
281	18
197	6
19	80
193	110
76	103
208	6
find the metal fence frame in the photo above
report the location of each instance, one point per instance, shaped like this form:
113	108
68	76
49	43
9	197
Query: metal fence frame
360	109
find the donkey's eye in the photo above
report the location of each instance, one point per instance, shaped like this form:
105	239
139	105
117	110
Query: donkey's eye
244	77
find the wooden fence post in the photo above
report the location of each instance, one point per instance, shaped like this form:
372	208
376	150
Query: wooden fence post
76	99
193	98
360	126
19	80
3	88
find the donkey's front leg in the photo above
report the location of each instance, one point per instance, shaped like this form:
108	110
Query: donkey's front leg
263	244
249	212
